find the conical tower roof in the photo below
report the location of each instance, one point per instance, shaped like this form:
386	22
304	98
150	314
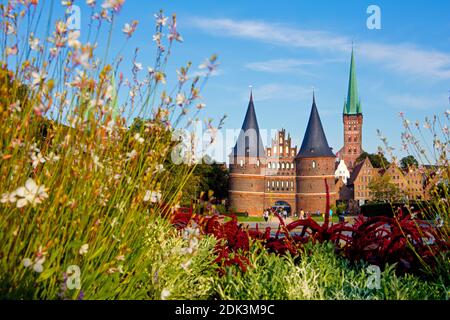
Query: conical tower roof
353	105
249	143
315	143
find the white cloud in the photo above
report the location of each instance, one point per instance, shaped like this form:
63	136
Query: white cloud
271	33
405	102
277	92
281	66
402	58
204	73
408	59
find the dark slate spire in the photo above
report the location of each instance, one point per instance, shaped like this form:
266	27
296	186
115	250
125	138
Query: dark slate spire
315	143
249	143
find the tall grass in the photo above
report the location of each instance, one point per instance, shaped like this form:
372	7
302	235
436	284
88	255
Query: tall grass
81	180
319	275
429	143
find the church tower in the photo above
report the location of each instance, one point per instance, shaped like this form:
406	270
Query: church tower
248	167
353	122
315	163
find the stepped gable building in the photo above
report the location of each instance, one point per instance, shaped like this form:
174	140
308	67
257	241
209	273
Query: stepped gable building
279	175
261	178
280	172
353	122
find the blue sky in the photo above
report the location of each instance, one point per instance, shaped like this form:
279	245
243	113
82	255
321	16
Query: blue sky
285	48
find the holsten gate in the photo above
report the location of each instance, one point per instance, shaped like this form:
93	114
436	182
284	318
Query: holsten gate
261	177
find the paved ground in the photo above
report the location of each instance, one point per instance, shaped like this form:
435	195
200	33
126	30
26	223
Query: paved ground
273	224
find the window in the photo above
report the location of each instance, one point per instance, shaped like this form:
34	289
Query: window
278	165
314	164
283	166
247	146
258	163
242	163
349	139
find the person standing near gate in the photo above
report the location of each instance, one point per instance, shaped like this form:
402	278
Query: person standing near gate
266	215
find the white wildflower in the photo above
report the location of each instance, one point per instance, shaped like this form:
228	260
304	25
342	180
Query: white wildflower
132	155
186	265
9	198
52	157
84	249
37	159
138	138
73	41
27	262
165	294
37	264
159	168
31	193
180	99
152	196
38	78
137	66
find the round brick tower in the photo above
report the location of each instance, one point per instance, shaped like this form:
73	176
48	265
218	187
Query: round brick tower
315	164
247	167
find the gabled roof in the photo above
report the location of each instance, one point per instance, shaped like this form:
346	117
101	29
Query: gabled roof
355	173
249	142
315	142
353	105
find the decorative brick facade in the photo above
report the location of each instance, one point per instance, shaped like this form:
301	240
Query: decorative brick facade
280	174
259	178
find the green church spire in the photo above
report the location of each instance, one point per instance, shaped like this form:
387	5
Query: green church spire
353	104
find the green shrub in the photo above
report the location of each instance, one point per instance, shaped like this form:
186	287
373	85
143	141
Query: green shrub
172	270
319	275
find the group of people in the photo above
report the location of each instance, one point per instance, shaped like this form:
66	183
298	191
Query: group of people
282	212
303	215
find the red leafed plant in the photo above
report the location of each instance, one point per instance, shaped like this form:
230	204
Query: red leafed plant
233	240
310	230
410	243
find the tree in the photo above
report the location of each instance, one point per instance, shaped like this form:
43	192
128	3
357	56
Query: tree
213	177
383	190
378	160
408	161
206	180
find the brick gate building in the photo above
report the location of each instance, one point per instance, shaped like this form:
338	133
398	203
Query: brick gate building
261	177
